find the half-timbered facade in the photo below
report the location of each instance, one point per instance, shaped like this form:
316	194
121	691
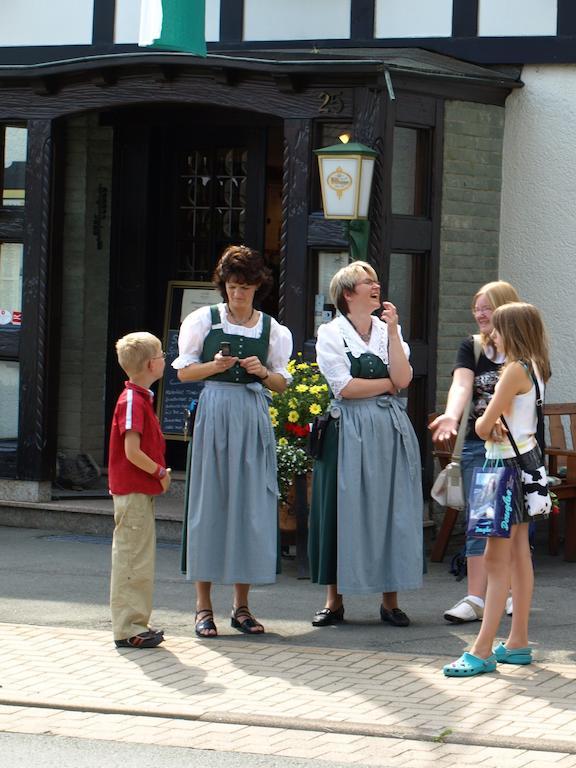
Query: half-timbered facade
126	170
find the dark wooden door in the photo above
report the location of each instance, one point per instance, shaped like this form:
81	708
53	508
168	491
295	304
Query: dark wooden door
181	194
212	186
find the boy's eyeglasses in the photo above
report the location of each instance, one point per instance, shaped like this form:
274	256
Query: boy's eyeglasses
159	357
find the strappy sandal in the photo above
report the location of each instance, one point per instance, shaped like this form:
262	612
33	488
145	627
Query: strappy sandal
150	639
205	625
242	620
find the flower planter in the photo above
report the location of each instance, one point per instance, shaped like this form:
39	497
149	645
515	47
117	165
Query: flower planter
288	510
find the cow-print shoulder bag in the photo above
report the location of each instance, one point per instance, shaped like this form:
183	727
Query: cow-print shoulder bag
537	501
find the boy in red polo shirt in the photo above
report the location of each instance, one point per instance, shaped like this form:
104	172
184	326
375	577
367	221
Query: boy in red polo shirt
136	474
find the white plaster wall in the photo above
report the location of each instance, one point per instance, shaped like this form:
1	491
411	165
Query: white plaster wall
39	22
127	21
501	18
296	20
538	216
413	18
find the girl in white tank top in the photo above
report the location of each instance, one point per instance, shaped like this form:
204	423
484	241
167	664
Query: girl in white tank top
521	418
520	335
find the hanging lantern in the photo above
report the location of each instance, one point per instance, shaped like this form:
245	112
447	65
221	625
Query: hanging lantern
346	172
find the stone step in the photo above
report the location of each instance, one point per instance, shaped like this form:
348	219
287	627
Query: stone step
88	515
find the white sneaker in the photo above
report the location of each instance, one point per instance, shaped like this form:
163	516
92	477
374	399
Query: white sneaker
463	611
509	606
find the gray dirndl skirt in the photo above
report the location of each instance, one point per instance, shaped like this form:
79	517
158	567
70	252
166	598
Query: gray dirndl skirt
233	491
380	503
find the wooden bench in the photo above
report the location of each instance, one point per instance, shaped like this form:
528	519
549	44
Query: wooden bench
560	459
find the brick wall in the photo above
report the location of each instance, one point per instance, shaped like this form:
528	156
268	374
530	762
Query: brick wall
473	135
85	288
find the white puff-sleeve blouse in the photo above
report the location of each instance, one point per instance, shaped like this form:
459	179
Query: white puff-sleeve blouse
331	355
197	325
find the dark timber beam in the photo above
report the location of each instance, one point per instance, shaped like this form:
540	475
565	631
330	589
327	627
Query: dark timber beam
231	21
566	22
103	22
465	18
362	20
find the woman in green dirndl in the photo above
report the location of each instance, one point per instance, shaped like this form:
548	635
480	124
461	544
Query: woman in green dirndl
366	512
232	517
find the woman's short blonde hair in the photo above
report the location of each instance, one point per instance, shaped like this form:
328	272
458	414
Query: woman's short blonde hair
497	293
346	279
135	349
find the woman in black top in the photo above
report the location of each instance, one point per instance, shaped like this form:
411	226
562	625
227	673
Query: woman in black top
474	379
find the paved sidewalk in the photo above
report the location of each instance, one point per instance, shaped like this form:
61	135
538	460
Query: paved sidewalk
245	695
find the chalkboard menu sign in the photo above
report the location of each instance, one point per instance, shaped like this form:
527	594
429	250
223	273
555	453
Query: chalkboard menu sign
175	396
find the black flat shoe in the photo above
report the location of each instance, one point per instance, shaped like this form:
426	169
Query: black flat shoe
396	617
326	617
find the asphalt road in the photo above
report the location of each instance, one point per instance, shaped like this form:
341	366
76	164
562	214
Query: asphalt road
37	751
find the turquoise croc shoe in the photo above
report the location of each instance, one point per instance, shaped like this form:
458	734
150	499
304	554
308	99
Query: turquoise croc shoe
512	656
468	666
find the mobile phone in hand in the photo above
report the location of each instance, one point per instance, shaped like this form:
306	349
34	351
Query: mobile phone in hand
225	348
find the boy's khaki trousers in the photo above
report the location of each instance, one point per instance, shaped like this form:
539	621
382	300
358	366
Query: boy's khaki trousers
133	564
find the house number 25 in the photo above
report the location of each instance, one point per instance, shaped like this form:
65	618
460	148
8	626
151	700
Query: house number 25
331	103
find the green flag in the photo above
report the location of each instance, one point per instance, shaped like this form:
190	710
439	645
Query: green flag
173	25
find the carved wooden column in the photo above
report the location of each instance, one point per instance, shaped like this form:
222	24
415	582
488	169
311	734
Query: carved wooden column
294	234
370	129
38	347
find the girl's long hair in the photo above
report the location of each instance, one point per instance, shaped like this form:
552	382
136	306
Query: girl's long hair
497	293
523	335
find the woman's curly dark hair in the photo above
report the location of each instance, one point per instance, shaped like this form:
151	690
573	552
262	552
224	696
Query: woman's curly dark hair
238	262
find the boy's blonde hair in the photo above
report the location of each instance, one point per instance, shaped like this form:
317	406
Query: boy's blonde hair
345	280
523	335
135	349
